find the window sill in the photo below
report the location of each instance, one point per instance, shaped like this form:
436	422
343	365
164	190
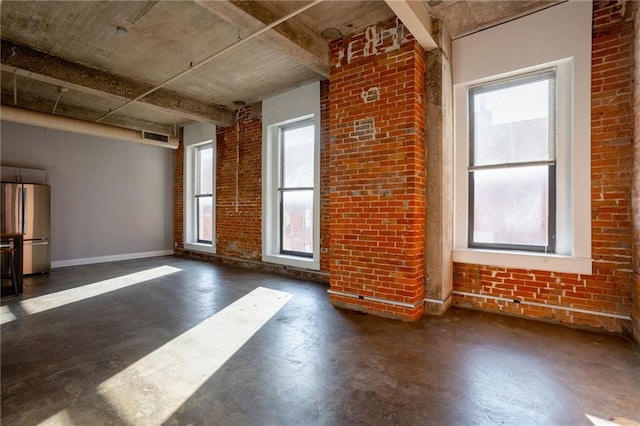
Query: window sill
523	260
200	247
294	261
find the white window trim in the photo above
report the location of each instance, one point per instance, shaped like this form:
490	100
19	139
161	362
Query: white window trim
509	57
196	135
295	105
271	224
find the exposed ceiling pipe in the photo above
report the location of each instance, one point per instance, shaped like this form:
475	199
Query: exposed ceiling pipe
15	88
213	56
57	122
61	90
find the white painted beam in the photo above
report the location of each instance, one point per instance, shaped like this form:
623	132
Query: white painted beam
415	16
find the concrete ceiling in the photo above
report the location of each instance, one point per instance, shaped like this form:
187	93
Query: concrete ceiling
464	17
75	45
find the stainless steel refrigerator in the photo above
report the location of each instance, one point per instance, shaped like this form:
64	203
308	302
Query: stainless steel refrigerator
26	208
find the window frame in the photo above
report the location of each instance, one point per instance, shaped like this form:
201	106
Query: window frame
573	244
295	105
199	196
548	74
194	136
282	189
517	47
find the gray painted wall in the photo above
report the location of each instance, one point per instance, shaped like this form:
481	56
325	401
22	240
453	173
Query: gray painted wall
108	197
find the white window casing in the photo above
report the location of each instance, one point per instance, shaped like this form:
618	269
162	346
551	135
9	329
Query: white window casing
294	106
515	48
196	135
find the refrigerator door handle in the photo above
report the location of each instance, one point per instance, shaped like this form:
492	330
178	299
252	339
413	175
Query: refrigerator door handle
19	209
40	243
24	210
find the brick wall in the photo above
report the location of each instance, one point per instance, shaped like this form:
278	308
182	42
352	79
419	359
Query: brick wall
608	289
325	218
239	231
239	188
636	178
373	185
178	194
377	183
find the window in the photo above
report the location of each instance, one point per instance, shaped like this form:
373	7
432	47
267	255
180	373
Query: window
291	178
204	193
522	194
296	188
199	187
512	168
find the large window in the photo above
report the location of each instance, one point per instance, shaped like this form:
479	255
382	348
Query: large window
291	178
203	196
200	187
296	166
512	168
521	152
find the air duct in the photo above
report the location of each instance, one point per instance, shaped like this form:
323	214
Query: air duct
57	122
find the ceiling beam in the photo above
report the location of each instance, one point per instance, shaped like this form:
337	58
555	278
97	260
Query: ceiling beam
48	68
292	37
415	16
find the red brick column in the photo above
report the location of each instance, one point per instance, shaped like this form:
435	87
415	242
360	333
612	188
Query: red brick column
377	184
612	149
178	197
635	195
325	218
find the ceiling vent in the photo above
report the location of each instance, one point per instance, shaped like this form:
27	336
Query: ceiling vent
156	137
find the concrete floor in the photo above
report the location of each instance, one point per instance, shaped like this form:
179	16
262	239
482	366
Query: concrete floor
130	356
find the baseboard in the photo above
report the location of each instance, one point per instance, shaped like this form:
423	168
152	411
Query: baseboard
112	258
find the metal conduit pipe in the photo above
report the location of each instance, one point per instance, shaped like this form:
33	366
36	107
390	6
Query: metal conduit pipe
373	299
57	122
544	305
502	299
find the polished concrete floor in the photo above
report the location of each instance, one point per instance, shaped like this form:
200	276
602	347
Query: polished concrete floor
161	341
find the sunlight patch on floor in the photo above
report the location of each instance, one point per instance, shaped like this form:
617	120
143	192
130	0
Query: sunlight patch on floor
616	421
65	297
152	389
61	418
6	315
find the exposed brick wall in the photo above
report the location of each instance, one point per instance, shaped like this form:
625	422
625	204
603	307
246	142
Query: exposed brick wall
239	204
325	147
178	194
609	288
239	233
636	177
377	183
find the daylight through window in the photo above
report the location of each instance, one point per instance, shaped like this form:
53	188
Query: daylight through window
512	163
296	188
204	193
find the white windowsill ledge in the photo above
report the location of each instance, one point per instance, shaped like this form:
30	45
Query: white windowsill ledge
293	261
521	260
200	247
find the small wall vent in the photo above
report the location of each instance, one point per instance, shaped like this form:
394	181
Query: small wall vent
156	137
